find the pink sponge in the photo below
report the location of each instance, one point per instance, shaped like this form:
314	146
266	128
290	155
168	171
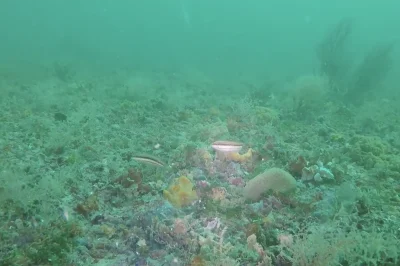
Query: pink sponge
275	179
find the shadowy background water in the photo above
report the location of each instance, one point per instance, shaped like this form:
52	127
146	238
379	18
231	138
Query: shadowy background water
222	38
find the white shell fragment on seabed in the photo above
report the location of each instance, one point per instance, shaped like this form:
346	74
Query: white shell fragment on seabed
318	177
326	173
317	173
308	173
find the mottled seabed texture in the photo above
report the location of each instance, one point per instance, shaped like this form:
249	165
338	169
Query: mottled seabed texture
199	133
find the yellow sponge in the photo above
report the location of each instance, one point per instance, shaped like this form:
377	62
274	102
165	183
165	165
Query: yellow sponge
181	193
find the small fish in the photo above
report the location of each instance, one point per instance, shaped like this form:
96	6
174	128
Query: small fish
148	159
227	146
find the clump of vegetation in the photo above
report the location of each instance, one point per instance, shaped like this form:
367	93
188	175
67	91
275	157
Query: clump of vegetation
63	72
332	245
376	155
41	245
333	56
309	96
335	64
370	73
367	151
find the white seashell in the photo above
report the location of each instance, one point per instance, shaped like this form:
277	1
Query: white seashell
307	174
318	177
326	173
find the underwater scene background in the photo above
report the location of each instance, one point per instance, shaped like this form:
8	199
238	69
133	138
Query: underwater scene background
199	133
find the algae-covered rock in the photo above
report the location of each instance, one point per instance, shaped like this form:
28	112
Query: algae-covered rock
370	144
389	168
266	115
375	154
368	151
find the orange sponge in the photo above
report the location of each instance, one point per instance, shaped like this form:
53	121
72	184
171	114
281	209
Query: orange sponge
181	193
